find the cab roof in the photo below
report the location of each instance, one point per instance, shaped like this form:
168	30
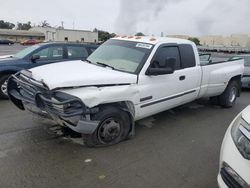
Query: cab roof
152	40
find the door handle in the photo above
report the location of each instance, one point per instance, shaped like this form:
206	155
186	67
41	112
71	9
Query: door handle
182	77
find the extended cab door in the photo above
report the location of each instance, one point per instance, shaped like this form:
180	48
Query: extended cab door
161	92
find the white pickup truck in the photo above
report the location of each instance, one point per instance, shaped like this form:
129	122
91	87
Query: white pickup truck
124	80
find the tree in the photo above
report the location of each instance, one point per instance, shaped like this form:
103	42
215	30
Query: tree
104	35
139	34
44	24
6	25
23	26
195	40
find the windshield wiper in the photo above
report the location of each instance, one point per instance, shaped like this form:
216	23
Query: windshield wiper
105	65
87	61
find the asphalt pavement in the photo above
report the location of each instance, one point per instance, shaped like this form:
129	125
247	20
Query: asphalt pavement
179	149
10	49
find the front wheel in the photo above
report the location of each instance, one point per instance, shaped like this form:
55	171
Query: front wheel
3	86
228	97
113	128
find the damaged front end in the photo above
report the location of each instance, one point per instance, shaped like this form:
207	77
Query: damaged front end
65	109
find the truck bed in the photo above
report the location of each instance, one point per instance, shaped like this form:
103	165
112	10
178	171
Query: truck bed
216	75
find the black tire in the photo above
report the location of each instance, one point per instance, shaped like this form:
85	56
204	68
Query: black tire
3	86
120	127
228	97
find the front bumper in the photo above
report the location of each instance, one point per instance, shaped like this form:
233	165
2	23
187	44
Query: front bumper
245	81
234	168
64	109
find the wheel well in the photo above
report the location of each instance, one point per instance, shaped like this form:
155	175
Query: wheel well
128	107
238	80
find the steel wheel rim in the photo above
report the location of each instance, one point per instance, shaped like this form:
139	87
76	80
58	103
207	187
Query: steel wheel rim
109	130
4	87
233	94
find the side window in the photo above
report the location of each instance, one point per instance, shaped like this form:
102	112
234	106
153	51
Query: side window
187	56
167	52
51	53
56	52
77	52
44	54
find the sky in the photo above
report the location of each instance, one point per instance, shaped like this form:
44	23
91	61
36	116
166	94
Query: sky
172	17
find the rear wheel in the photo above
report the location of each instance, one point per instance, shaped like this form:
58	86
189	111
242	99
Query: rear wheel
113	128
3	86
228	97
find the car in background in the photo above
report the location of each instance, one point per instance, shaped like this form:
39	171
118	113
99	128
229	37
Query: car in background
29	42
8	42
235	153
246	76
205	58
40	54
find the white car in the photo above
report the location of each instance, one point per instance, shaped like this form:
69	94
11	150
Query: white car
124	80
235	153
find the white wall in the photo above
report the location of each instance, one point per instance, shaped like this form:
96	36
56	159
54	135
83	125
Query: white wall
76	35
53	34
235	40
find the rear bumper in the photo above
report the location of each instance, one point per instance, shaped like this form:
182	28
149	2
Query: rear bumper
64	109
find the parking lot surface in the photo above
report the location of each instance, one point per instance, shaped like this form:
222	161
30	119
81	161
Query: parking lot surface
179	149
12	49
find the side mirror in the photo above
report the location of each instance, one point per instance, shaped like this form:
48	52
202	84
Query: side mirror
34	58
167	67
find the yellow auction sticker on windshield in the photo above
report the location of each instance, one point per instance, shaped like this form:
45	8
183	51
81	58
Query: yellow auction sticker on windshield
143	45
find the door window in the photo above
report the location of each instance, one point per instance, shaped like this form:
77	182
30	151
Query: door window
165	53
77	52
187	56
50	53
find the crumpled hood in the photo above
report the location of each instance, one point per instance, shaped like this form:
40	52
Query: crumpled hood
79	73
246	114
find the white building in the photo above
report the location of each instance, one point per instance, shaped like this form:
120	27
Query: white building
235	40
20	35
71	35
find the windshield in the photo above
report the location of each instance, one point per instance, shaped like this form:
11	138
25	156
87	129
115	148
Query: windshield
26	51
120	55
